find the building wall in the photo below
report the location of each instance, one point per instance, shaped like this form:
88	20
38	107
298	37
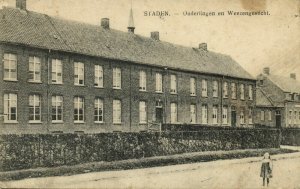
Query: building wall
292	112
129	94
269	120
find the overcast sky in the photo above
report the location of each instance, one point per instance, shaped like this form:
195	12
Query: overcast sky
254	42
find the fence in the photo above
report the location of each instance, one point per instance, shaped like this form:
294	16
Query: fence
30	151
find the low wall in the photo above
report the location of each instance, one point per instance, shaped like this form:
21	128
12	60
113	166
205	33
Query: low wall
30	151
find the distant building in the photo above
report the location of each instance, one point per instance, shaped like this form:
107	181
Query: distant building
278	100
65	76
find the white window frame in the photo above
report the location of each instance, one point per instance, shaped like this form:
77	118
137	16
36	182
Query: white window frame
173	83
117	78
174	113
56	106
117	112
204	88
250	116
98	110
215	89
193	114
215	115
56	71
250	92
242	91
10	67
79	74
242	117
98	74
290	117
79	104
269	115
225	115
143	81
158	83
225	90
193	86
35	105
143	112
262	115
10	102
34	69
233	91
204	114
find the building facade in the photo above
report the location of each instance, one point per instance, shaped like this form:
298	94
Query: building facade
278	100
65	76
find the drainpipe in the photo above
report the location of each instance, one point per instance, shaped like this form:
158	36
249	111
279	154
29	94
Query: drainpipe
130	99
47	87
222	101
165	95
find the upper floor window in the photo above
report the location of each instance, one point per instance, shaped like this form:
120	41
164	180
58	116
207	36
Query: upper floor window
98	76
215	115
78	109
204	114
56	71
233	90
143	112
225	115
117	76
10	67
242	91
158	83
173	113
78	73
193	86
225	90
204	88
250	92
57	108
10	107
34	69
173	84
34	108
242	117
98	110
215	88
117	111
193	113
143	81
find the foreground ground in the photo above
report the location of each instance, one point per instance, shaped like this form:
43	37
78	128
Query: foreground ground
239	173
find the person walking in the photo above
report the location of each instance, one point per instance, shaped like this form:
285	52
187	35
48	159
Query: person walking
266	168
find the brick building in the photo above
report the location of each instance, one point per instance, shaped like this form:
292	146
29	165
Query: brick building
278	100
65	76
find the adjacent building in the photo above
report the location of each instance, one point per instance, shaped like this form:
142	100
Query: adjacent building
278	100
65	76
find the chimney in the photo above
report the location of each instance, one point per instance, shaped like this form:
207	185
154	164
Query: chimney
105	23
131	22
203	46
155	35
21	4
266	71
293	76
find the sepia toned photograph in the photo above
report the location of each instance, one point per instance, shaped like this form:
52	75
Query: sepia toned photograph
150	94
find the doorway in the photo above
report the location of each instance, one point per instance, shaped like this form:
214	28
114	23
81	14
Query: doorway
233	116
159	112
278	119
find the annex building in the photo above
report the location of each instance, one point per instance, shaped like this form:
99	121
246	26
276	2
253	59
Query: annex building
65	76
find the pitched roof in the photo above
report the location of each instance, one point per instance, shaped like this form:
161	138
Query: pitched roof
262	99
285	83
42	31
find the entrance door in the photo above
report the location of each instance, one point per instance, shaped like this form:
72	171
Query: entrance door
233	118
278	119
159	114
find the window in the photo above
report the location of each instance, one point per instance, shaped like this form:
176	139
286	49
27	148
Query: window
204	88
242	117
242	92
225	115
173	84
10	107
98	76
57	108
215	115
193	86
117	111
98	110
78	73
78	109
295	117
215	88
269	115
299	118
173	113
10	67
158	83
262	115
250	116
56	71
204	114
250	92
143	112
233	90
225	90
290	117
34	108
193	113
34	69
117	75
143	81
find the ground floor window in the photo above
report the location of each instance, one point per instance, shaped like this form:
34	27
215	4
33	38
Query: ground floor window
98	110
143	112
193	113
10	107
204	114
117	113
215	115
34	108
225	115
242	117
173	113
57	108
78	109
250	119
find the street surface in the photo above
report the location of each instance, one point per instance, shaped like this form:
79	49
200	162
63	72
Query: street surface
238	173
